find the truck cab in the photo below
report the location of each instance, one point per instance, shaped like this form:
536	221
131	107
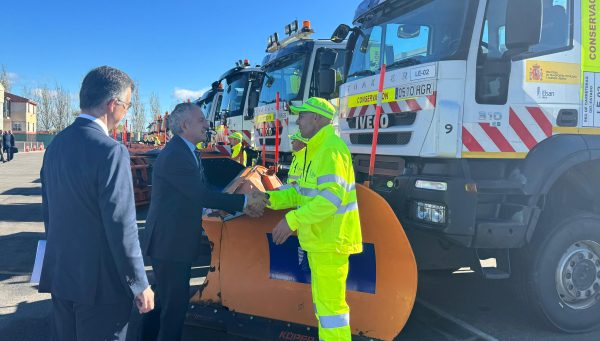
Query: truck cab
209	103
488	140
296	69
235	112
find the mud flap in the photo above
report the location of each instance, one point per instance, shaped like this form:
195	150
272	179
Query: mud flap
250	275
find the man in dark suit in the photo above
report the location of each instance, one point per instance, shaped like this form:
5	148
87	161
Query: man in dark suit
174	223
6	144
2	146
11	145
93	264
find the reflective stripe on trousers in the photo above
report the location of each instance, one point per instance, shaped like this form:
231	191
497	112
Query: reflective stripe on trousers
329	272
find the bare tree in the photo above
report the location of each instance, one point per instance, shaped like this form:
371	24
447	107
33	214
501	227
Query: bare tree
5	79
155	107
138	112
62	108
46	107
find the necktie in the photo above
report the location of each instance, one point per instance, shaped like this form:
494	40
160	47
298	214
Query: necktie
199	162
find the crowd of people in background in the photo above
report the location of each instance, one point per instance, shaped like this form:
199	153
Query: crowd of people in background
8	145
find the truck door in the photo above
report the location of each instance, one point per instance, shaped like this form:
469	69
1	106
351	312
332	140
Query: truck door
523	77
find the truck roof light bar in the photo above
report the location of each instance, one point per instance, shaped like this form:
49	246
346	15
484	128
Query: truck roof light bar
293	35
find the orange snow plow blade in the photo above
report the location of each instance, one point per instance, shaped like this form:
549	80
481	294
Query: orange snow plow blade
251	275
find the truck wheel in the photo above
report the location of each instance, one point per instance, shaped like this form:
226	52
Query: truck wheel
562	277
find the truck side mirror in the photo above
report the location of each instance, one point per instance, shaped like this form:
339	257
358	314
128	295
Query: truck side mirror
523	24
340	33
326	82
408	31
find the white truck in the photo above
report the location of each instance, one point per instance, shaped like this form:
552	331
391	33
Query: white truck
235	112
489	143
209	103
296	68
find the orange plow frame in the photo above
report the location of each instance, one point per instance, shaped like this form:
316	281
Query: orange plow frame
240	280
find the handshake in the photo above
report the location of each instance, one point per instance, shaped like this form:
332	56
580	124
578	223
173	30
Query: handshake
256	203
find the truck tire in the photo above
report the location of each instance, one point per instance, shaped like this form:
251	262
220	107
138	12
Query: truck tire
559	273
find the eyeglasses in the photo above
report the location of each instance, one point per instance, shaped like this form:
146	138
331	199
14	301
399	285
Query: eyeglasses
125	104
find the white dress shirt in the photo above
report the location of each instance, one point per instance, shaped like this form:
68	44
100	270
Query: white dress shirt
97	121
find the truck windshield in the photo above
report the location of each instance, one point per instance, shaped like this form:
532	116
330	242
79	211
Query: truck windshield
207	105
284	75
413	32
234	87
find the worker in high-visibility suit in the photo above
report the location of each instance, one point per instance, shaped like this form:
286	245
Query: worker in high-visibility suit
325	216
298	154
237	151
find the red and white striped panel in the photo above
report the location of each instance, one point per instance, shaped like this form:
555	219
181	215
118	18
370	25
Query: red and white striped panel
527	126
416	104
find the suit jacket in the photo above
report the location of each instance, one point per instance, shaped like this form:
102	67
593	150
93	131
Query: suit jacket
93	254
12	140
174	222
5	140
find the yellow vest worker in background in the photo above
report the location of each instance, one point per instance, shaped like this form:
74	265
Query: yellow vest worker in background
325	216
298	153
237	151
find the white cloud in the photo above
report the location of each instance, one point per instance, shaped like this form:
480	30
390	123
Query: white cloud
182	95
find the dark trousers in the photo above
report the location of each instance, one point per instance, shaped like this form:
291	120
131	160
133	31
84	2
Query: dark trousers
173	289
8	151
73	321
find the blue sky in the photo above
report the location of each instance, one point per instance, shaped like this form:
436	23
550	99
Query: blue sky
166	46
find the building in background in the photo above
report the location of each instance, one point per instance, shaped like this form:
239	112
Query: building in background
20	114
2	113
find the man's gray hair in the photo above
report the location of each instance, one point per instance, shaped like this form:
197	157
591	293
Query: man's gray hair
101	85
180	114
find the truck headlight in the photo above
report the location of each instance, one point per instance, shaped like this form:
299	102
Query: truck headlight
431	213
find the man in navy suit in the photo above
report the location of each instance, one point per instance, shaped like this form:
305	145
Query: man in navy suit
174	224
6	145
93	264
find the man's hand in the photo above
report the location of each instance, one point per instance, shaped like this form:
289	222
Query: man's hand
145	301
281	232
257	201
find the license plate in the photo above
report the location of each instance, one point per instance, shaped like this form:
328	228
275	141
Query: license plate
415	90
367	122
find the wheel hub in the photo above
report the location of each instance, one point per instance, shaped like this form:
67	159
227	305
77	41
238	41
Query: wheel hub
578	275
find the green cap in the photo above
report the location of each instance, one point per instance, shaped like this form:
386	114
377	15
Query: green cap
298	137
236	135
317	105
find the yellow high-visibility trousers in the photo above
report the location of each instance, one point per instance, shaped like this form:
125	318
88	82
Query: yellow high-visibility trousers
329	272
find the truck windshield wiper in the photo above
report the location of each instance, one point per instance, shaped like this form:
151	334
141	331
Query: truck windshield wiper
362	73
404	62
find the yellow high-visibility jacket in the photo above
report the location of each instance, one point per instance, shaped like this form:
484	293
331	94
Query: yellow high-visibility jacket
296	166
326	215
238	154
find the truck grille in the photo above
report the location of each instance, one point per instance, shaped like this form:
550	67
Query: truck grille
400	119
401	138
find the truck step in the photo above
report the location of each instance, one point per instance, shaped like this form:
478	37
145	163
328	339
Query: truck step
498	269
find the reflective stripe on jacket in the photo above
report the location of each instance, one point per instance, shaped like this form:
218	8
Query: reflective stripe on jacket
326	217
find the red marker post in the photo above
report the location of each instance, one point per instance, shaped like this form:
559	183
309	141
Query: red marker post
277	130
376	123
264	144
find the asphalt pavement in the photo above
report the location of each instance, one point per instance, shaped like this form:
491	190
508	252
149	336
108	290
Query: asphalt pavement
449	306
